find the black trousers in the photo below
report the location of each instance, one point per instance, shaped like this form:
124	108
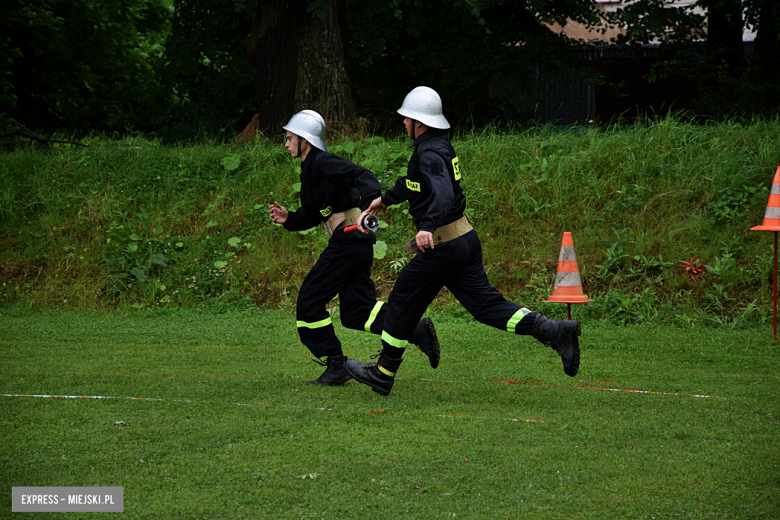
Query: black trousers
343	269
456	265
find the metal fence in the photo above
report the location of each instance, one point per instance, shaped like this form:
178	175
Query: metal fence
624	93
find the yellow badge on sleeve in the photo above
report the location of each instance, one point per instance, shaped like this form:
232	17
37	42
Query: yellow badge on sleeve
326	212
456	168
412	186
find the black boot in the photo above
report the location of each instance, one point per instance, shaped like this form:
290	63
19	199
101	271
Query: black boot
379	376
561	336
425	338
334	374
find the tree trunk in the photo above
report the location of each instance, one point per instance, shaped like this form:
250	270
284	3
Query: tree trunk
273	53
323	80
299	62
767	44
724	32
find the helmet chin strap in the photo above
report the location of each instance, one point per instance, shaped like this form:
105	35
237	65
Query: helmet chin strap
299	146
414	129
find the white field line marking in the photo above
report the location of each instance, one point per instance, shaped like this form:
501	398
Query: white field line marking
54	396
650	392
503	419
589	386
636	391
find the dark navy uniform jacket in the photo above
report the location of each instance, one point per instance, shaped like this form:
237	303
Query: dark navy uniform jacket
330	184
431	184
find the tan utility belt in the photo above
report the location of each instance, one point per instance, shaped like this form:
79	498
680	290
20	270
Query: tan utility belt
343	218
444	234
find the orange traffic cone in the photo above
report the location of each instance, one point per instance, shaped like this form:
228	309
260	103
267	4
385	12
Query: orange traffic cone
568	287
772	215
772	223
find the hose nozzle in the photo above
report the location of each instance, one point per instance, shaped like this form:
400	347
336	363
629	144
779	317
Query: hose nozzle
370	222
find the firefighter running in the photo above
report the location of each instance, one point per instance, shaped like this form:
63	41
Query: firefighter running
335	191
449	254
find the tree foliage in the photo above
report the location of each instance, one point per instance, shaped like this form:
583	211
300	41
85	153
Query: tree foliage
489	59
656	21
81	64
206	70
706	51
183	67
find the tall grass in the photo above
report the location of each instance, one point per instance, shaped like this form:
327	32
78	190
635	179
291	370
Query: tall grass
132	223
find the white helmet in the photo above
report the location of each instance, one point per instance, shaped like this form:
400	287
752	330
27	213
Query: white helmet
309	125
423	104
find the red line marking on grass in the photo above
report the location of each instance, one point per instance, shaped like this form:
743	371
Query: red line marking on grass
516	382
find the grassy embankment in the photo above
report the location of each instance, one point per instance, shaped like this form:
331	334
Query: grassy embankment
228	429
134	224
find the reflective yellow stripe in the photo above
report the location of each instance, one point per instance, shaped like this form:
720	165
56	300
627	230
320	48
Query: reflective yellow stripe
372	316
397	343
515	319
315	325
412	186
385	371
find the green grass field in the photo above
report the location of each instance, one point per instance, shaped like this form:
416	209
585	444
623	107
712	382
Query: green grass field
228	429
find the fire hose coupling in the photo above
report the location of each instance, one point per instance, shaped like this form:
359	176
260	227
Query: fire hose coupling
370	222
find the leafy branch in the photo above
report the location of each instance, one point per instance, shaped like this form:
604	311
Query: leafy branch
23	131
